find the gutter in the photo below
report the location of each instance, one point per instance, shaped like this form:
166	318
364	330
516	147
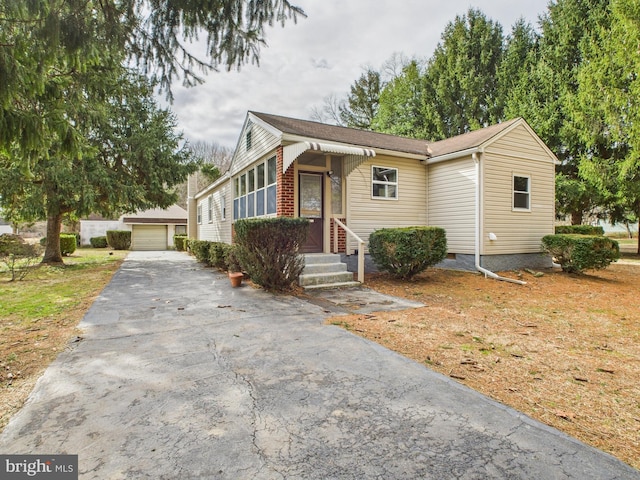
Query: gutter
452	155
487	273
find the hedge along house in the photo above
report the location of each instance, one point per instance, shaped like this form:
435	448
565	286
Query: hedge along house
492	190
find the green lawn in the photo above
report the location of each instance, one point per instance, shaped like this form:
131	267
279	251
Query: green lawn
50	290
40	314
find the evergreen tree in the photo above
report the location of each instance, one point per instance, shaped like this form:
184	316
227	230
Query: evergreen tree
131	158
519	58
462	76
47	42
401	109
607	112
548	97
363	101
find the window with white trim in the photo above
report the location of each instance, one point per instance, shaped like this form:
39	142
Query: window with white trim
254	191
521	192
223	207
210	208
199	214
384	183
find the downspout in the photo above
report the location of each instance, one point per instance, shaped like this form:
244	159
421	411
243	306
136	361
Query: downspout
487	273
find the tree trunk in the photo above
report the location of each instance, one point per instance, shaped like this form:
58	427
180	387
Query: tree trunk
576	218
52	254
638	251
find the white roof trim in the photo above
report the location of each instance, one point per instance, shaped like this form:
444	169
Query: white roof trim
291	152
452	155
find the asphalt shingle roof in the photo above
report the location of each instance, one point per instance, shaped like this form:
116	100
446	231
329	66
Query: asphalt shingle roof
365	138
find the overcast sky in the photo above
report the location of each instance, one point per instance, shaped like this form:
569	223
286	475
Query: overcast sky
324	54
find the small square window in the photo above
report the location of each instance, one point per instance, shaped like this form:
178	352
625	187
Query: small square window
521	192
384	182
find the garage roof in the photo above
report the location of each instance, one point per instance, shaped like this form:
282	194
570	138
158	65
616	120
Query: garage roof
174	214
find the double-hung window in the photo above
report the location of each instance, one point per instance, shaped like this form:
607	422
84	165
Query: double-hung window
521	192
384	183
199	214
210	208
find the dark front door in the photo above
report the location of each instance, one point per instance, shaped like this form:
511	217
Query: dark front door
310	205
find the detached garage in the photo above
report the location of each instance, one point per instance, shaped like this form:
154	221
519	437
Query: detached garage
150	230
154	229
149	237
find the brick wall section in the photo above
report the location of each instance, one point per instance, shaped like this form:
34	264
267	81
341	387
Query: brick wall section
342	237
285	189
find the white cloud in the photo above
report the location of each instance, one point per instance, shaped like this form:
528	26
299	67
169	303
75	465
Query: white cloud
325	54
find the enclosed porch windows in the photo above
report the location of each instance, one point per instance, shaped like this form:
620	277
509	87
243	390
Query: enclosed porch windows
254	191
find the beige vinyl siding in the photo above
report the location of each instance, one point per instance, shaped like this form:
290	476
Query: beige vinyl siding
263	143
365	214
451	201
517	153
218	230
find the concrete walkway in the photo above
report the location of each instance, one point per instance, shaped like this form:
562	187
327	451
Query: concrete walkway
178	376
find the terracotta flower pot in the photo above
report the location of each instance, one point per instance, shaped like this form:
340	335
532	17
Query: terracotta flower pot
235	278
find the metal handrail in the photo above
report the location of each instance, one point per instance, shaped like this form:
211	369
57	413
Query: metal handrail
337	223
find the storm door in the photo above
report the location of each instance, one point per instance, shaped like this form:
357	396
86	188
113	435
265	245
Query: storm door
311	206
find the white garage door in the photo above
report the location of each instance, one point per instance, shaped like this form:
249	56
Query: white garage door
149	237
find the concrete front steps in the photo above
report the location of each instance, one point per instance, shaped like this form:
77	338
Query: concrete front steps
325	270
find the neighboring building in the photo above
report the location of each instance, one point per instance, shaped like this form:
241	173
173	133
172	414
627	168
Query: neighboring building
492	190
150	229
5	227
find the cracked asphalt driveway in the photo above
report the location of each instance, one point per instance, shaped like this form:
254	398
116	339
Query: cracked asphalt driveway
179	376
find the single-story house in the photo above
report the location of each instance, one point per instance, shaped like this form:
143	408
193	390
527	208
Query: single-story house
492	190
150	229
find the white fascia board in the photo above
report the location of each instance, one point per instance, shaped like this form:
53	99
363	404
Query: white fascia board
225	177
267	126
453	155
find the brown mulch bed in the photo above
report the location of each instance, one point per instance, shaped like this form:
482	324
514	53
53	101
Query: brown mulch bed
564	349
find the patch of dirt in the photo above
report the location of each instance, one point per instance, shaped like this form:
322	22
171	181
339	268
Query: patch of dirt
27	348
564	349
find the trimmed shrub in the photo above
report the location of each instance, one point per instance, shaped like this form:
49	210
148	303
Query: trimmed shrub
579	230
218	252
576	253
68	243
17	255
119	239
268	250
200	250
231	260
405	252
98	242
180	242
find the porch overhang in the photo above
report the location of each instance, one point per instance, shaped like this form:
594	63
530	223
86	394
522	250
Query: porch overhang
354	156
